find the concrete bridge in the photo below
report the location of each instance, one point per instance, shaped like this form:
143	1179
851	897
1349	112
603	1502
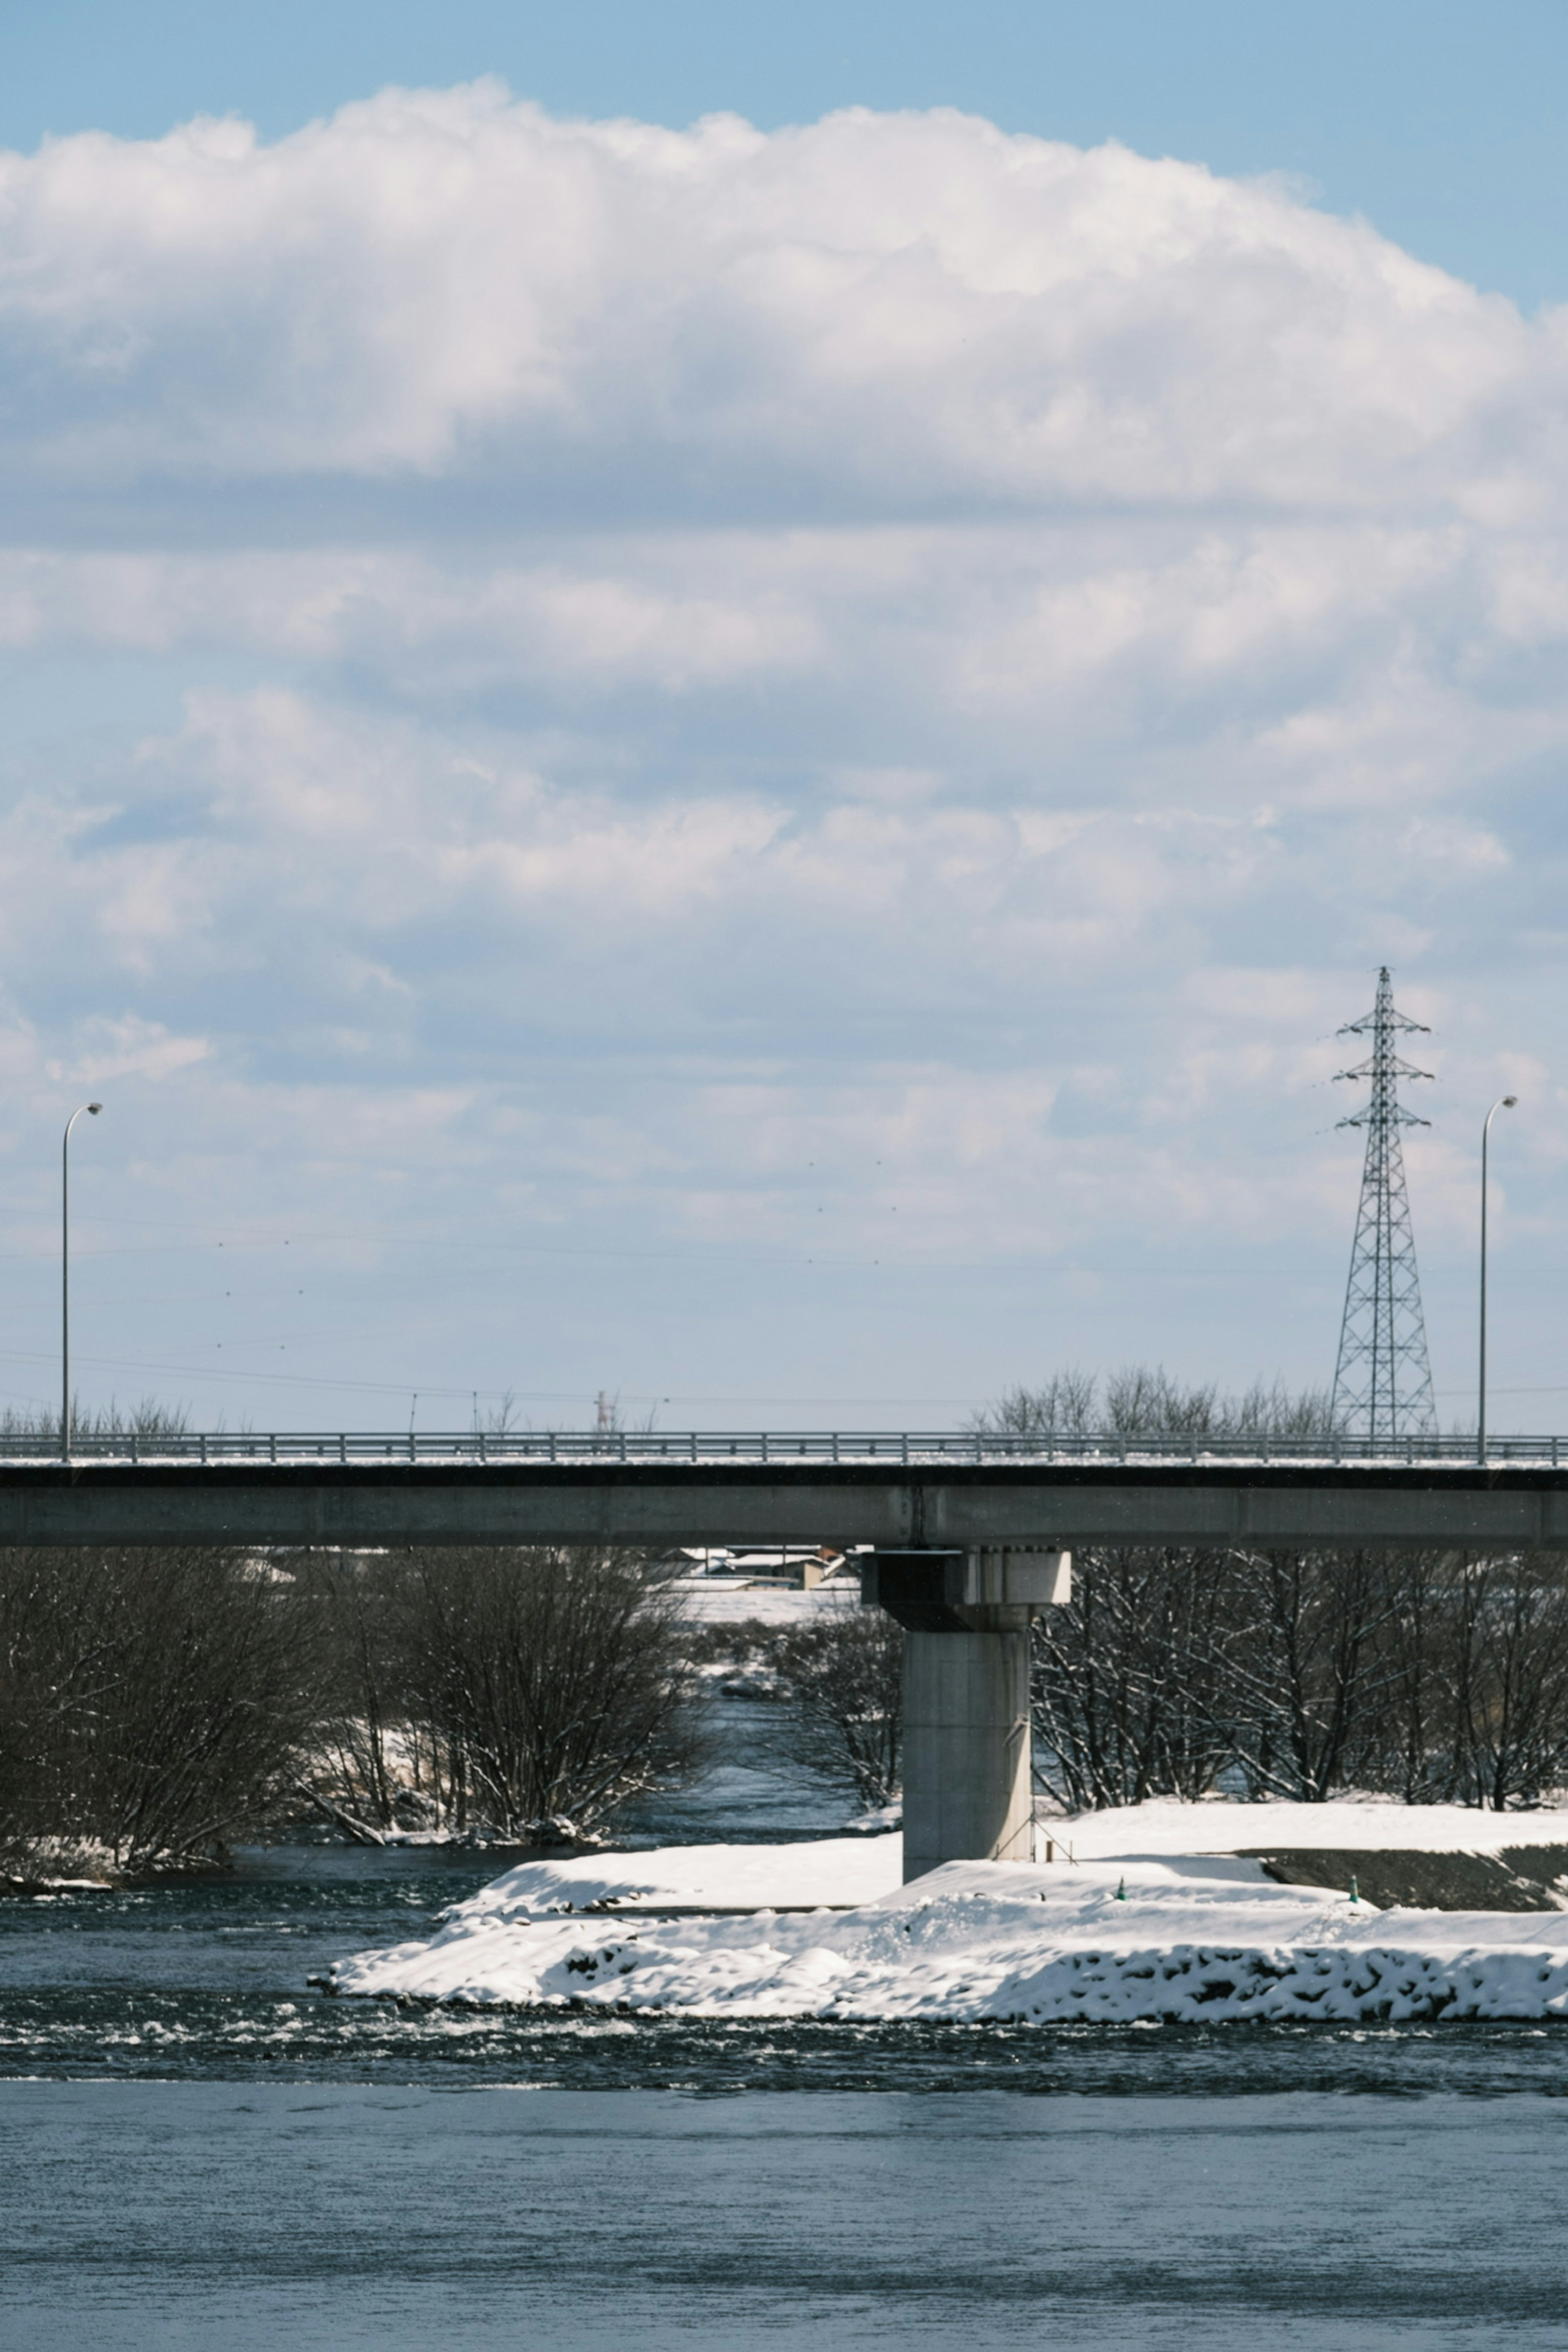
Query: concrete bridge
967	1537
914	1489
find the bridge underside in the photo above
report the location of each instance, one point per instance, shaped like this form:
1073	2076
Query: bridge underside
985	1507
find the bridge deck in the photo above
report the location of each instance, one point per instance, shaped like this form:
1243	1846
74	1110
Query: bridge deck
893	1491
915	1446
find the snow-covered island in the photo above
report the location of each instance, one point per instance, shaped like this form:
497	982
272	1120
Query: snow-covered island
1162	1913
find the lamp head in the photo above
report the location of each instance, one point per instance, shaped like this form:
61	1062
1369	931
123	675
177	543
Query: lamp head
95	1108
1509	1101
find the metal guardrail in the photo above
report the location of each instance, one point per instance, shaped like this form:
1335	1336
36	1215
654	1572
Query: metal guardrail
917	1447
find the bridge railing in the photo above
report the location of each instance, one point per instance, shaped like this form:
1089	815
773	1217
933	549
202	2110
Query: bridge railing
716	1447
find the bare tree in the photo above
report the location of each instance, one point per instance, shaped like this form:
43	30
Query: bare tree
1136	1689
1065	1402
368	1771
549	1685
1509	1664
1146	1400
147	1419
1310	1667
1406	1739
844	1673
1131	1692
155	1702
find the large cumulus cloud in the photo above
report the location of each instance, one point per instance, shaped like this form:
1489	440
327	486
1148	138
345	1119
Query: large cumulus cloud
883	648
875	309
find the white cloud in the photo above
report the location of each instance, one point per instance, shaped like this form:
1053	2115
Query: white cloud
130	1048
709	658
450	283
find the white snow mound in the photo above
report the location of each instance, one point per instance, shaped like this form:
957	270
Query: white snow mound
1176	1938
837	1871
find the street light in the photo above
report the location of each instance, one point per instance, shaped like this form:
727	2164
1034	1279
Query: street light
1503	1102
93	1109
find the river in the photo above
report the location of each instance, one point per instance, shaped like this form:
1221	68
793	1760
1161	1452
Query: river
197	2149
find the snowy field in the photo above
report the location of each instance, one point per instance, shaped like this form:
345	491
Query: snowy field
1160	1923
1165	1825
734	1601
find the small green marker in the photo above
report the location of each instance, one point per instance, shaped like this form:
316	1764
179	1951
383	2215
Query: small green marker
1355	1890
1122	1890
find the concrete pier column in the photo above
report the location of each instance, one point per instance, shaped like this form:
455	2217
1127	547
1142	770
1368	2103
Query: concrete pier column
968	1787
968	1783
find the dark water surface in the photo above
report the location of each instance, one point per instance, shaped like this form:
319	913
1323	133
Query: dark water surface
142	2215
198	2149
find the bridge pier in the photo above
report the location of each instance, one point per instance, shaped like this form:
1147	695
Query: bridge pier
968	1782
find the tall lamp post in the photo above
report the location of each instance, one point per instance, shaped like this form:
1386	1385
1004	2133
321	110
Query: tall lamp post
1503	1102
92	1109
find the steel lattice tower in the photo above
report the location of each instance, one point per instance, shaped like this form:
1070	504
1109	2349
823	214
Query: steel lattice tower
1383	1381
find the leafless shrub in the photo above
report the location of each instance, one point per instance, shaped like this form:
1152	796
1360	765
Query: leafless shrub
529	1692
844	1673
367	1770
152	1703
734	1642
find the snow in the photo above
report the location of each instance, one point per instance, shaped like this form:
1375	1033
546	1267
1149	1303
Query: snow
829	1871
1164	1929
1166	1825
726	1600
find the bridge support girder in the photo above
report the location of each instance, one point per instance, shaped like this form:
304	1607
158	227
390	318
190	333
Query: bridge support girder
968	1748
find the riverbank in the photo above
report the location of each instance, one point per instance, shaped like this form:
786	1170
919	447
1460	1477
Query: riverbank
1195	1918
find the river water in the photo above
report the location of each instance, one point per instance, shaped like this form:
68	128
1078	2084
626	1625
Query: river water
197	2149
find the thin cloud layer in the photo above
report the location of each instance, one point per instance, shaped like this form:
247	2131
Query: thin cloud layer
741	688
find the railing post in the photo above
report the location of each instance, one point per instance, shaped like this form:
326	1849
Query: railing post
204	1445
272	1447
764	1436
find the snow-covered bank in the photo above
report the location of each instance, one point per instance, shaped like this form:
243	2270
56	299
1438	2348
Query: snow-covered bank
1182	1938
1161	1929
1165	1825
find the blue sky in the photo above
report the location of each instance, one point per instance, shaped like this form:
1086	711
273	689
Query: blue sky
751	765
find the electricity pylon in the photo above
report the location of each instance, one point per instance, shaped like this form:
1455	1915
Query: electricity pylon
1383	1381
